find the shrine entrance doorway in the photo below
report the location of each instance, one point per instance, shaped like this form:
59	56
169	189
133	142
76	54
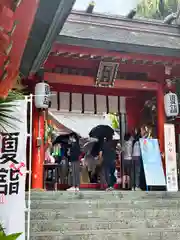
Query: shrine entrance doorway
81	111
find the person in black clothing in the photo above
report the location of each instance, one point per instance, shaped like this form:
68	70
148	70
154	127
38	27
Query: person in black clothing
108	165
136	161
95	154
74	159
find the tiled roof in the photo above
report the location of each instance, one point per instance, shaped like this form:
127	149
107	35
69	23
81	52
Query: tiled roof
85	28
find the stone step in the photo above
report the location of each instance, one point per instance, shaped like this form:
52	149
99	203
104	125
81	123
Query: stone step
100	215
122	234
108	214
81	204
65	226
125	195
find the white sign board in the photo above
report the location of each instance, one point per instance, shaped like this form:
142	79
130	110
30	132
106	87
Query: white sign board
12	170
170	157
171	105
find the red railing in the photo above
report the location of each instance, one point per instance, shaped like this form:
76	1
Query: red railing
16	19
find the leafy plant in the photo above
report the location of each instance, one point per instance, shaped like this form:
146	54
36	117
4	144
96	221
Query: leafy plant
3	236
6	108
114	120
157	9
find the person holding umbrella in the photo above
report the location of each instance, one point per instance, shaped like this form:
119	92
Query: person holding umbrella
107	152
74	160
108	165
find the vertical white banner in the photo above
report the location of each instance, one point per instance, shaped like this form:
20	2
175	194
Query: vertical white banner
12	170
170	157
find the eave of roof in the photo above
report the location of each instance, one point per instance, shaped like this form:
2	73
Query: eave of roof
121	34
49	20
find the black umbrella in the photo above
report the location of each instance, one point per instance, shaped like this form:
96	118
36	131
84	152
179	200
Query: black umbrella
61	139
65	138
102	131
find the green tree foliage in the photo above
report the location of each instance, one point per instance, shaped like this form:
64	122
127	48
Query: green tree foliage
157	9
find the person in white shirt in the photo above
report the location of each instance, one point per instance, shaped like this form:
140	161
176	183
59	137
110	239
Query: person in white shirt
136	160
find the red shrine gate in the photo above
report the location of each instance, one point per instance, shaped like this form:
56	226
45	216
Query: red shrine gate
91	72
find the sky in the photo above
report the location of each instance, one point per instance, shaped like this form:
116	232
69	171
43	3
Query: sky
117	7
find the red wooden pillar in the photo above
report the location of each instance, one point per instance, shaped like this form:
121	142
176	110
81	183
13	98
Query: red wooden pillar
161	119
37	149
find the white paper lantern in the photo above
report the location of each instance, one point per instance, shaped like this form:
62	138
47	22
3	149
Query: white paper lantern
42	95
171	105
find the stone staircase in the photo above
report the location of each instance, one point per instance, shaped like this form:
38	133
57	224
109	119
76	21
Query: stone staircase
98	215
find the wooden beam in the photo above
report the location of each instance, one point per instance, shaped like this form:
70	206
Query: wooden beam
157	72
101	91
58	87
54	61
90	81
102	52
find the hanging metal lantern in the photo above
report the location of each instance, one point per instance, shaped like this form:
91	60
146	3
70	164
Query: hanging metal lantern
42	95
171	105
